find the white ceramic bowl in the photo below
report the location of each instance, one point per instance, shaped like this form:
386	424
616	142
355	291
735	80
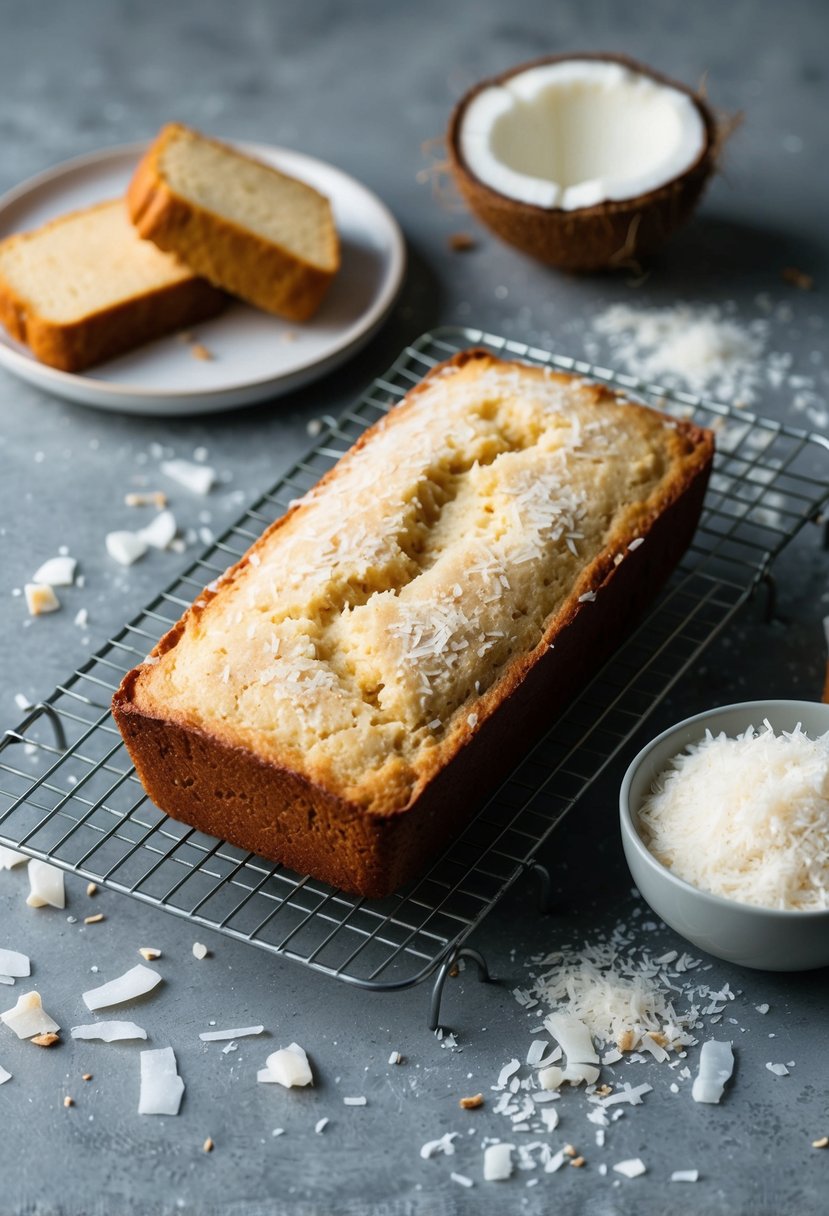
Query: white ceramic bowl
765	938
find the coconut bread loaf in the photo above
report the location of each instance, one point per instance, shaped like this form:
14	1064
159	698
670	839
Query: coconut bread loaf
346	693
258	233
86	287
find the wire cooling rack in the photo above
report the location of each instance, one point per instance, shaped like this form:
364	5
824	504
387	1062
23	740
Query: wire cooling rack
84	809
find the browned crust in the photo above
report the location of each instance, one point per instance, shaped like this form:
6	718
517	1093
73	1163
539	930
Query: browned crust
613	233
111	331
230	256
228	791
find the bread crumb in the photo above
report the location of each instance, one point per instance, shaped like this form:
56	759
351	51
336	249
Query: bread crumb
155	498
45	1040
288	335
67	1101
658	1037
462	242
797	278
578	1162
626	1040
208	1145
87	1076
604	1090
199	351
569	1151
92	888
94	920
471	1103
149	953
184	336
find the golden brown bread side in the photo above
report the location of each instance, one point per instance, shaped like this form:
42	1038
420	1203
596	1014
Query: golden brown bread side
126	291
223	248
345	717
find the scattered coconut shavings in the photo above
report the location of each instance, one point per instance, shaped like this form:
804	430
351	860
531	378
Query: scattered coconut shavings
685	1176
573	1037
151	498
95	919
779	1070
4	1076
125	547
444	1145
197	478
634	1167
498	1162
149	953
472	1102
40	598
764	1008
50	1039
746	818
216	1036
109	1032
28	1017
161	531
200	951
701	349
320	1126
7	979
161	1087
716	1064
361	1101
56	572
14	964
46	886
288	1067
395	1058
127	987
506	1072
9	858
461	1179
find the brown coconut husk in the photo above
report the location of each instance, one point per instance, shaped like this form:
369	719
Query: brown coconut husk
616	233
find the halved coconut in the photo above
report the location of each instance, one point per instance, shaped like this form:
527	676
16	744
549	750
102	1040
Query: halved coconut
583	161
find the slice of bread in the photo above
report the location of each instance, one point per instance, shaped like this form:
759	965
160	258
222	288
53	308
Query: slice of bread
85	288
256	232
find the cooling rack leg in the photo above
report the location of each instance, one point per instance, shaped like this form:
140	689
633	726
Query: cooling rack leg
440	979
57	725
544	884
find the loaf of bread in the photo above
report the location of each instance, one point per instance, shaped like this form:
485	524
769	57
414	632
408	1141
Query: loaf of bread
342	698
259	234
85	288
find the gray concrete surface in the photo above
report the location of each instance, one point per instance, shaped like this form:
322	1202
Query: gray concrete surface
364	85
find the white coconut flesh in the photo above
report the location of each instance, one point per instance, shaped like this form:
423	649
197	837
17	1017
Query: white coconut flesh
580	132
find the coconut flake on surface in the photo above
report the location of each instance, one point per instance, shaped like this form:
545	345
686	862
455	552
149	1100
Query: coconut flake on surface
536	1052
40	598
506	1072
200	951
497	1162
462	1180
573	1037
14	964
46	886
634	1167
9	858
779	1070
197	478
764	1008
216	1036
288	1067
716	1064
127	987
161	1087
56	572
4	1076
28	1017
109	1032
361	1101
320	1126
685	1176
395	1058
444	1145
125	547
160	531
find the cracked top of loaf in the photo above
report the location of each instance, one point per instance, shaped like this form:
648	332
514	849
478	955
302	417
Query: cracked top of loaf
374	627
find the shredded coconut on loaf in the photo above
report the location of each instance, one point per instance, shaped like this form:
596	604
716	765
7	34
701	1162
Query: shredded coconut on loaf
746	818
365	627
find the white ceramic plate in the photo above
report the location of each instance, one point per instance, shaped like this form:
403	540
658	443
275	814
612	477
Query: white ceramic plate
256	356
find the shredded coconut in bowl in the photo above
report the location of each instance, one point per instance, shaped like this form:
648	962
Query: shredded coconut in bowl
746	818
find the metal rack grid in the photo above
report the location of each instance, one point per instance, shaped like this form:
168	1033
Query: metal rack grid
69	795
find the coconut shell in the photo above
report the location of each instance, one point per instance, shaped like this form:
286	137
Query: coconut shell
613	233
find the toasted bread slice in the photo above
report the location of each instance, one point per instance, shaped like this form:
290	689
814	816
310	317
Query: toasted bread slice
256	232
85	288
